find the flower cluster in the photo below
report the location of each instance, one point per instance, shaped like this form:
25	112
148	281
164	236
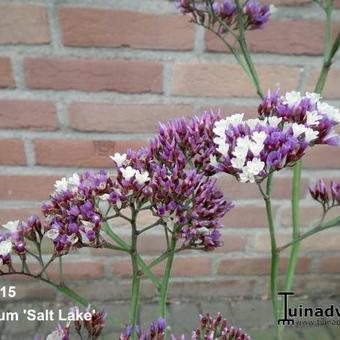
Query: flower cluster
252	149
88	327
327	197
156	331
255	15
72	213
210	328
218	329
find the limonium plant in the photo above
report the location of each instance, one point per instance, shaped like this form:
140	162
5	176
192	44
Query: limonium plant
173	179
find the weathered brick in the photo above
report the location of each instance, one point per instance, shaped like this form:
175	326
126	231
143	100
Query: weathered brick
281	37
182	267
28	114
23	24
6	76
26	188
108	28
80	270
12	152
322	157
231	242
258	266
329	264
214	80
236	190
123	118
82	153
10	214
246	217
332	88
320	242
93	75
212	288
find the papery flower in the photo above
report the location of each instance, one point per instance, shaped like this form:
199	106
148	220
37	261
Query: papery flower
328	196
61	333
257	15
11	225
156	331
5	246
287	125
119	159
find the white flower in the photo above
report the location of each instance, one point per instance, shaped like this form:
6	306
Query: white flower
274	121
243	142
104	197
219	140
313	118
256	148
119	159
311	135
292	98
313	97
246	176
142	177
254	166
298	129
235	119
252	123
330	111
52	234
220	127
223	149
11	226
5	247
213	161
74	182
259	137
56	335
237	163
61	185
203	230
128	172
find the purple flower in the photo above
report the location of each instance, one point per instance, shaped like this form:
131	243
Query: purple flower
328	196
257	15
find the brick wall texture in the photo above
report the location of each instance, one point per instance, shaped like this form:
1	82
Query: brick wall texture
80	80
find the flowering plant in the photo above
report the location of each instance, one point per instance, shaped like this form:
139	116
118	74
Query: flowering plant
172	179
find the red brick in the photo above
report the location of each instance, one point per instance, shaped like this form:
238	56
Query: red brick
11	214
287	2
23	24
322	157
12	152
337	3
213	80
246	217
332	88
81	270
329	265
228	110
320	242
236	190
123	118
183	267
212	288
6	76
231	243
257	266
108	28
28	114
26	188
93	75
82	153
281	37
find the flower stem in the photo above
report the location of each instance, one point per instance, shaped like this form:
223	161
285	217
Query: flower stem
135	275
245	50
166	277
275	259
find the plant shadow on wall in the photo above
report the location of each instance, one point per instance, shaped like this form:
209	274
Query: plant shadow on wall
173	180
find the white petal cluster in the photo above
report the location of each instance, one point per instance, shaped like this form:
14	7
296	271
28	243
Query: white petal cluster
129	173
12	226
252	169
300	129
119	159
292	98
70	183
5	247
313	118
329	110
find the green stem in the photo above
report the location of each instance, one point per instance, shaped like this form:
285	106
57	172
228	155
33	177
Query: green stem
135	275
275	259
143	266
61	271
245	50
166	277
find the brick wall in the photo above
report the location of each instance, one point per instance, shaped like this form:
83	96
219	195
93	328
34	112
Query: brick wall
80	81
